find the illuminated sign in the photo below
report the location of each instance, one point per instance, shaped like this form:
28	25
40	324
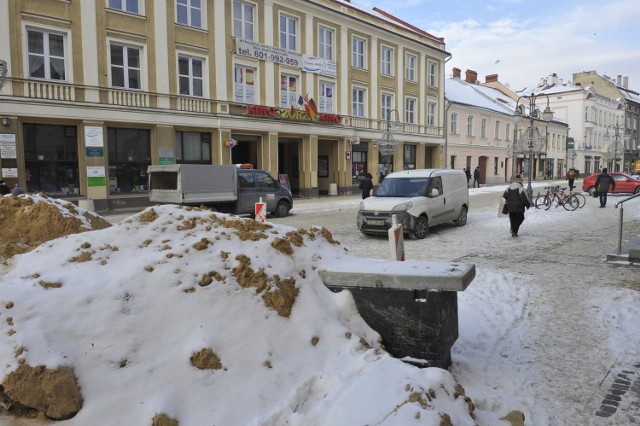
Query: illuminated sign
292	114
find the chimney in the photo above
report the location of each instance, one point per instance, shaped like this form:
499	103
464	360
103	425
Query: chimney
456	73
491	78
471	77
619	80
625	82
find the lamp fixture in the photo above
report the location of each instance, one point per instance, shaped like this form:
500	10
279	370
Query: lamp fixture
6	121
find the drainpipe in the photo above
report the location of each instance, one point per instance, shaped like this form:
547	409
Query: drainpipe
446	116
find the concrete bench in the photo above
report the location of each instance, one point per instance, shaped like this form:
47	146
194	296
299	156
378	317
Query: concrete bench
413	305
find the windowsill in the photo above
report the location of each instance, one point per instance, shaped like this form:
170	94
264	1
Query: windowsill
191	27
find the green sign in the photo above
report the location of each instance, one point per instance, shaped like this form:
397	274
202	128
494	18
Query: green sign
166	160
94	151
97	181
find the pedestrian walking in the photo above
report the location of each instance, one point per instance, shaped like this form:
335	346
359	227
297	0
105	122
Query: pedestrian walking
4	188
516	201
603	182
467	171
571	176
476	177
366	185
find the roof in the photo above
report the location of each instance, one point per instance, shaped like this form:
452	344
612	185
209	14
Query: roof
460	92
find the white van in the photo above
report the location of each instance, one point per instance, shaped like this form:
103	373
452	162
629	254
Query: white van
420	199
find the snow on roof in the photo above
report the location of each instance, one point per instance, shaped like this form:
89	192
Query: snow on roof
460	92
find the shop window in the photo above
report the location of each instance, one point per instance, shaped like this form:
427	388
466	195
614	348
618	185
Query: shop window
358	165
409	157
244	79
288	90
129	157
326	97
51	159
193	147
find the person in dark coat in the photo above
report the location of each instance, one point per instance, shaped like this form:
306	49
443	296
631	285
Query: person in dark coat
603	182
476	177
467	172
517	201
571	176
366	185
4	188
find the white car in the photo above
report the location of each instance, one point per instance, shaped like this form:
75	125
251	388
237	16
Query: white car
420	199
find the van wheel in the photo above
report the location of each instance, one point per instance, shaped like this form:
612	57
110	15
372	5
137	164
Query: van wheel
462	217
422	229
282	209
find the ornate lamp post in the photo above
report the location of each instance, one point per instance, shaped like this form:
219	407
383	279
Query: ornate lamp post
387	144
532	142
3	72
613	149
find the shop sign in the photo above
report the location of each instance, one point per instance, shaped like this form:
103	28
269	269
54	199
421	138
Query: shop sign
8	145
166	156
96	176
292	114
94	151
277	55
10	172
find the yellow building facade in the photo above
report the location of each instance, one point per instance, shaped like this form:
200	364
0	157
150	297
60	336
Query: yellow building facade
98	90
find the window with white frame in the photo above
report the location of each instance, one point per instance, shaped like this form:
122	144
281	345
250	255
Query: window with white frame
288	32
357	52
410	110
193	147
496	133
386	60
453	123
431	113
125	66
507	132
130	6
410	67
357	102
244	84
243	20
483	128
432	73
190	76
288	90
46	53
189	12
386	104
325	42
326	96
470	125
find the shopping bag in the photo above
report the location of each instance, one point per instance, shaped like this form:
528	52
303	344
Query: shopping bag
502	208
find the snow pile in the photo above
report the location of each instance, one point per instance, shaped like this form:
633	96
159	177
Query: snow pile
183	316
26	221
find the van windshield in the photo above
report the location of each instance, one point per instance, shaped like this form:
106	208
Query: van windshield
403	187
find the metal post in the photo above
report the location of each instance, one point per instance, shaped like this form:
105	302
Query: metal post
620	230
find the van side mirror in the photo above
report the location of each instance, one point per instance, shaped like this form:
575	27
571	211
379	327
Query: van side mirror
435	192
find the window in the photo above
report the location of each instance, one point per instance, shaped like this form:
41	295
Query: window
470	125
357	103
410	67
243	20
432	73
507	132
288	31
325	43
431	113
496	133
453	123
495	166
190	76
386	103
483	128
193	147
46	52
326	97
357	52
386	60
409	157
125	66
288	90
130	6
129	158
244	89
410	110
189	12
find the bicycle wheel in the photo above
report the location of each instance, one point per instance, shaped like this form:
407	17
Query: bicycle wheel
582	199
570	202
543	202
554	200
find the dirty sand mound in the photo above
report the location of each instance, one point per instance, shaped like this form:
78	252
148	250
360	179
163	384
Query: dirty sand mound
26	221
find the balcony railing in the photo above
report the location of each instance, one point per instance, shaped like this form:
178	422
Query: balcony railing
41	89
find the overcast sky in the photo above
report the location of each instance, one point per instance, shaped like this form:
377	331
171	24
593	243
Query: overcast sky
523	41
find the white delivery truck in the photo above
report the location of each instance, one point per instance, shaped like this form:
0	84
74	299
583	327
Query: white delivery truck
227	189
420	199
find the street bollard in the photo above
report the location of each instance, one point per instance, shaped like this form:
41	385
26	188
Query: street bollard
261	211
396	239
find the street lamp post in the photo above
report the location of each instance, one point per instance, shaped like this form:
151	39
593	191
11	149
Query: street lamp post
532	141
3	72
387	144
616	143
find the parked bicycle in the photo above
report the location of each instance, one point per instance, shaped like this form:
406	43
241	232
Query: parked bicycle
557	197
